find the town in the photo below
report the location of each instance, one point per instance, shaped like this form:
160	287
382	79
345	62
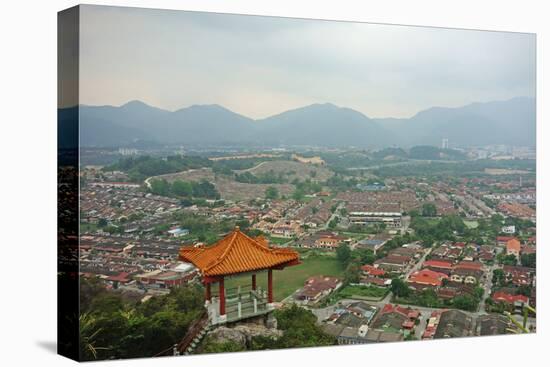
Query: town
391	247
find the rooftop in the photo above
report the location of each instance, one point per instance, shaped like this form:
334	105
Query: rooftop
237	253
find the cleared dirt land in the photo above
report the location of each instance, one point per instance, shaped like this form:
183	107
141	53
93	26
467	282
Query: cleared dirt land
292	170
229	189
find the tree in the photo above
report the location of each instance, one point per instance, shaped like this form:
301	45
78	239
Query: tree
211	346
352	273
88	333
343	254
205	189
115	326
298	194
271	193
428	298
160	187
499	278
524	290
529	260
300	329
429	210
507	259
182	188
465	302
399	288
368	258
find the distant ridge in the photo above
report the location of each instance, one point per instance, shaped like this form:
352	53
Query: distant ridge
510	122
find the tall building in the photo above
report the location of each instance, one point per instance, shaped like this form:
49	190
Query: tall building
444	143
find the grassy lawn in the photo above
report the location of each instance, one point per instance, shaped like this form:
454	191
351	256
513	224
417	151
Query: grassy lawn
286	281
351	291
359	292
432	221
88	227
471	223
279	240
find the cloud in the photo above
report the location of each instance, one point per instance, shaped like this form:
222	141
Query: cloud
259	66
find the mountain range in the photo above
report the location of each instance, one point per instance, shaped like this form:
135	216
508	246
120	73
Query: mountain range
510	122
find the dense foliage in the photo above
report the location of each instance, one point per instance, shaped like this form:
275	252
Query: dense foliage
445	229
140	167
269	177
184	189
299	330
116	326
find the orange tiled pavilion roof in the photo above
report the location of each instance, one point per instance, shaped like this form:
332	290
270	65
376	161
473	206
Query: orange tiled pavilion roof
237	253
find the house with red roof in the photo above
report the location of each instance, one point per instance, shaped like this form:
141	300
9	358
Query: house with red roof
513	247
409	312
519	275
528	249
427	277
122	277
441	266
459	245
396	317
501	240
379	282
372	271
432	324
517	300
472	265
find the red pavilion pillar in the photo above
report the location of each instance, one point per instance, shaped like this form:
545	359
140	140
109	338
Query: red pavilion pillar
208	294
222	297
253	282
269	286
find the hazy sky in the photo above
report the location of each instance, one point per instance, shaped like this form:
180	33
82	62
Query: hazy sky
260	66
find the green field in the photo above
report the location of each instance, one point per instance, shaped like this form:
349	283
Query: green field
88	227
369	293
279	240
358	291
286	281
471	223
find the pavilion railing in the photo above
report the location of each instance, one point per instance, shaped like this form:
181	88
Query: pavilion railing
233	291
243	301
244	308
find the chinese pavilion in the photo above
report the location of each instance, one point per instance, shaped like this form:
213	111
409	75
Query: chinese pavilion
238	254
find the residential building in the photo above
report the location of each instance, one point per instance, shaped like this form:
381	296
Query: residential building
513	247
426	277
317	287
454	324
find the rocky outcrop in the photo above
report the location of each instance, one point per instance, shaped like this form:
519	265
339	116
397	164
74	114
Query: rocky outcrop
242	333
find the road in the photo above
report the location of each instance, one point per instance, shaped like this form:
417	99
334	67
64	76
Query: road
251	168
425	312
486	284
418	264
334	215
147	181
